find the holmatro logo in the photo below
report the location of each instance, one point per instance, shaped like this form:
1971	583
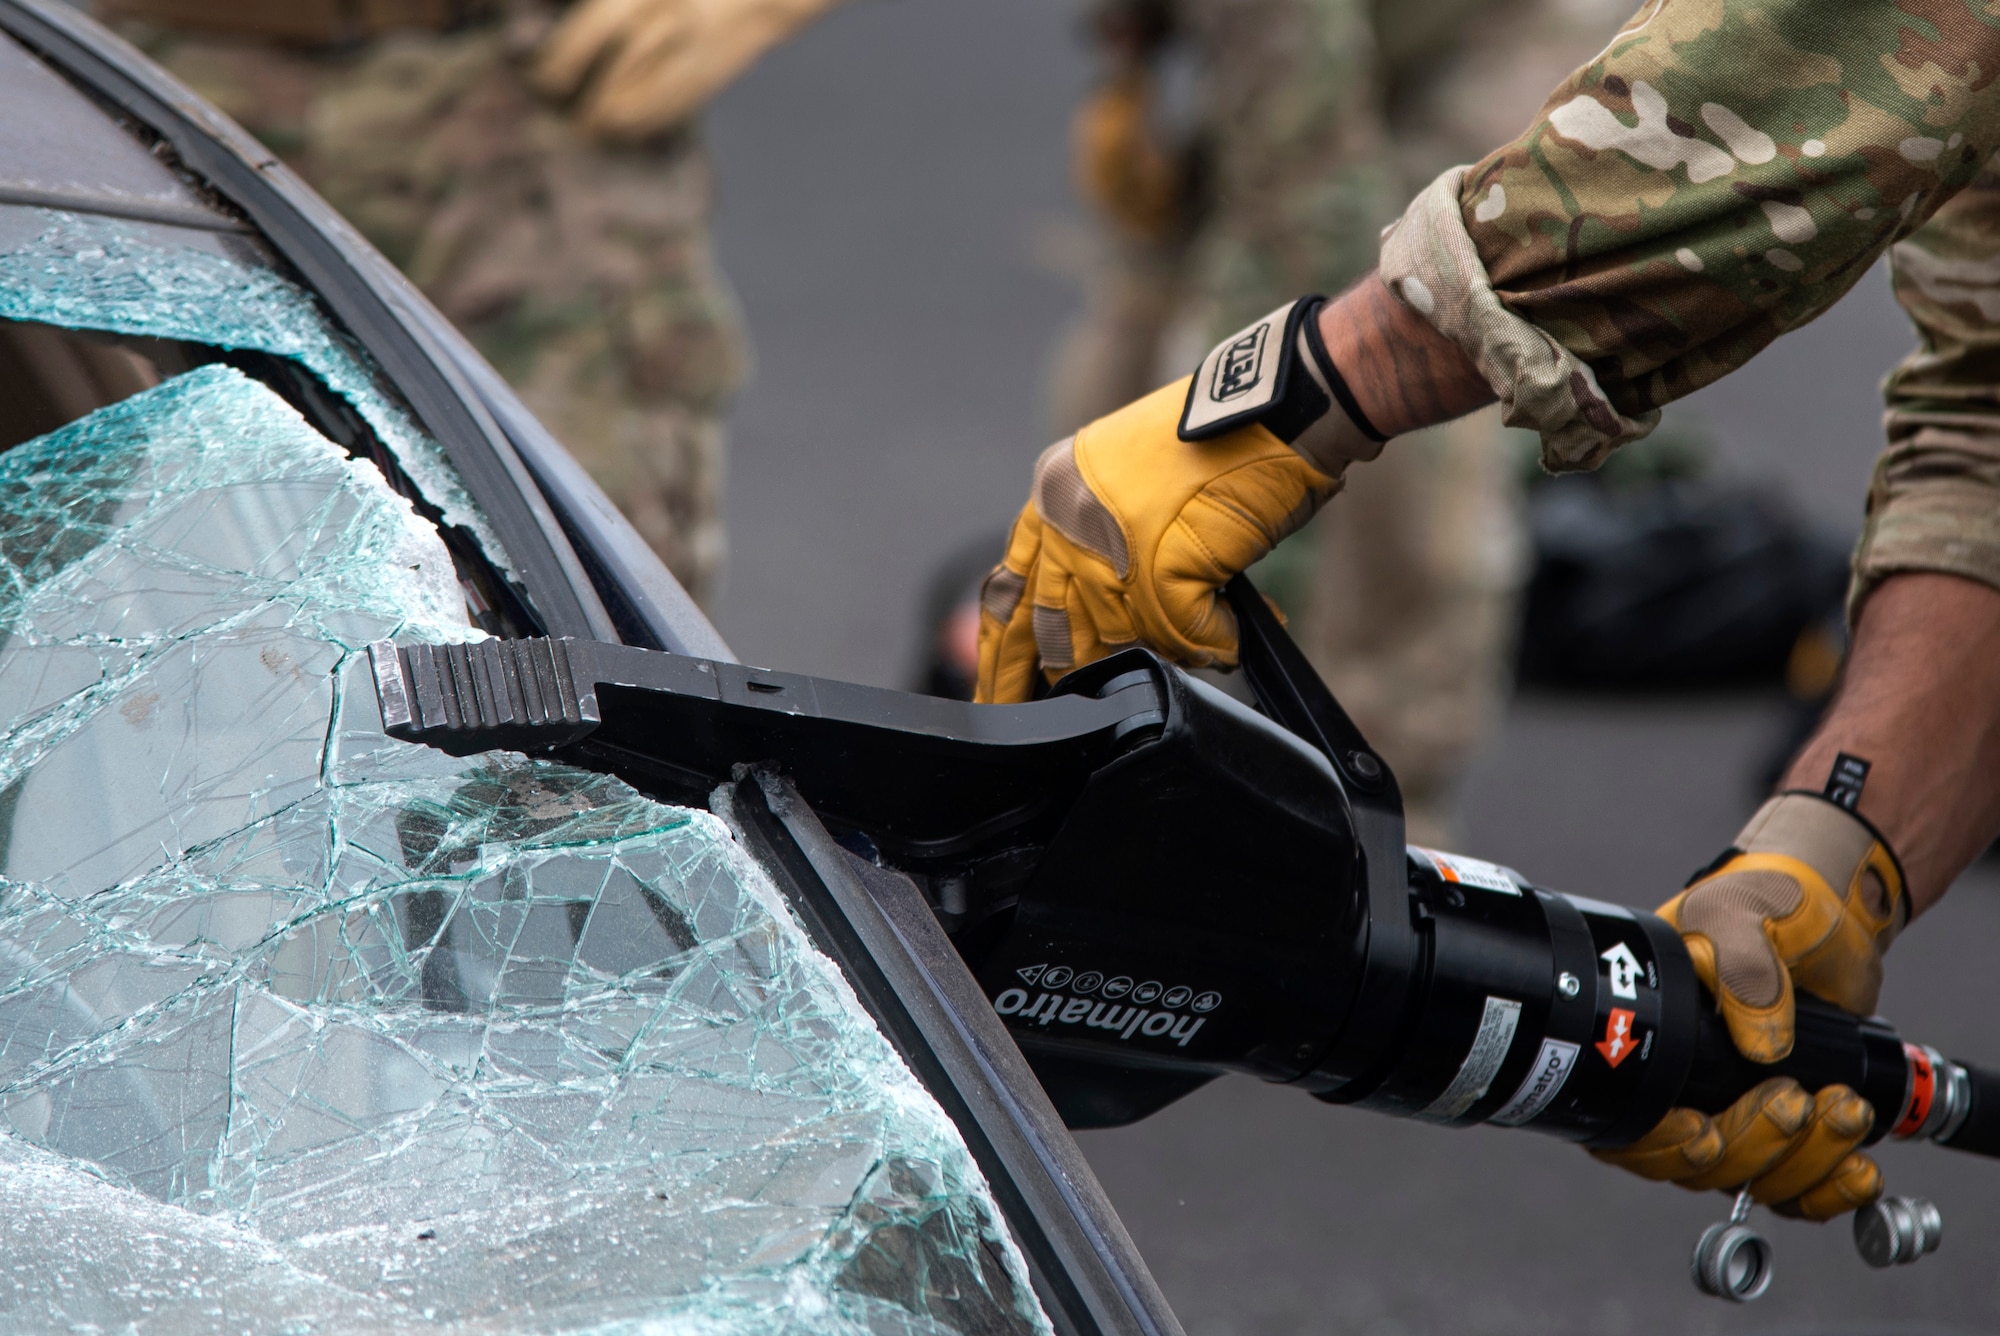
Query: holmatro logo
1241	365
1155	1017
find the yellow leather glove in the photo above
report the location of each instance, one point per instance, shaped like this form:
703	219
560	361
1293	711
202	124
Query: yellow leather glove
1795	1152
1137	521
637	67
1807	896
1119	166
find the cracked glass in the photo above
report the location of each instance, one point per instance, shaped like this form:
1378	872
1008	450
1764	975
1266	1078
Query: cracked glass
86	272
303	1028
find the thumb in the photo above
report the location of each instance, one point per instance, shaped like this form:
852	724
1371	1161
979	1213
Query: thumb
579	43
1200	626
1762	1031
1188	574
1007	657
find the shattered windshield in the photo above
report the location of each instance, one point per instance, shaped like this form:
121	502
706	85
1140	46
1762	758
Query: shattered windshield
121	277
303	1028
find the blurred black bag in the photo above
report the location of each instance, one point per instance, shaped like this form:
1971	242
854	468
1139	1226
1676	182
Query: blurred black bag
948	650
1674	583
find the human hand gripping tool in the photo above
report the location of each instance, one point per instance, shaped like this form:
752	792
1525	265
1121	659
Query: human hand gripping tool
1156	884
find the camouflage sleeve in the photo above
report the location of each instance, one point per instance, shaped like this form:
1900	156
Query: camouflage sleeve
1934	504
1722	172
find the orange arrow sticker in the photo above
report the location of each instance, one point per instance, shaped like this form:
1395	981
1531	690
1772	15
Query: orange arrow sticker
1617	1045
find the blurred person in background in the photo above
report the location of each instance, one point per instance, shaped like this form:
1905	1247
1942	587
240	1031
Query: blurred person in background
1721	173
538	170
1312	119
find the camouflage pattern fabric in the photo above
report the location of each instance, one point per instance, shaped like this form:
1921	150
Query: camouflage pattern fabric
1316	116
1721	173
1413	605
583	271
1934	503
1292	182
1299	179
1110	356
1416	597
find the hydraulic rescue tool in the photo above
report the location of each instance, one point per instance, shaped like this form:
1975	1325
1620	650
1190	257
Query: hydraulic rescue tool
1155	884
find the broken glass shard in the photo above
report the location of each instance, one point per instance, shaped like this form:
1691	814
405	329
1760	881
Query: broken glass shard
122	277
303	1028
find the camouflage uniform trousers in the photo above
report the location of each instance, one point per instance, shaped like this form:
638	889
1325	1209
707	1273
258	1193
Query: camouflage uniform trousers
1415	606
582	271
1294	190
1318	116
1724	171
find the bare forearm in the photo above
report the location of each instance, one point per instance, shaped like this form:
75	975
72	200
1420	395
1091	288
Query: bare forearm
1920	701
1404	374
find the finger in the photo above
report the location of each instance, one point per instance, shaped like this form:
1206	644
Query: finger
1086	636
1188	575
1762	1034
1055	641
644	92
580	41
673	64
1007	655
1839	1121
1700	948
1756	1131
1067	636
651	40
1219	631
1726	921
1683	1144
1855	1181
1101	603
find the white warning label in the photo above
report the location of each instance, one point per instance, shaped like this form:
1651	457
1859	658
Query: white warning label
1472	872
1482	1063
1539	1086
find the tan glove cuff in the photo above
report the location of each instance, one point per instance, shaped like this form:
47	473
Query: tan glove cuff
1848	853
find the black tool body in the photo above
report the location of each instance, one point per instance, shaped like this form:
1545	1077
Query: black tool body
1155	883
1612	1027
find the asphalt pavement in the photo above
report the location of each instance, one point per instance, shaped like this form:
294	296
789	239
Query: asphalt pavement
897	220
